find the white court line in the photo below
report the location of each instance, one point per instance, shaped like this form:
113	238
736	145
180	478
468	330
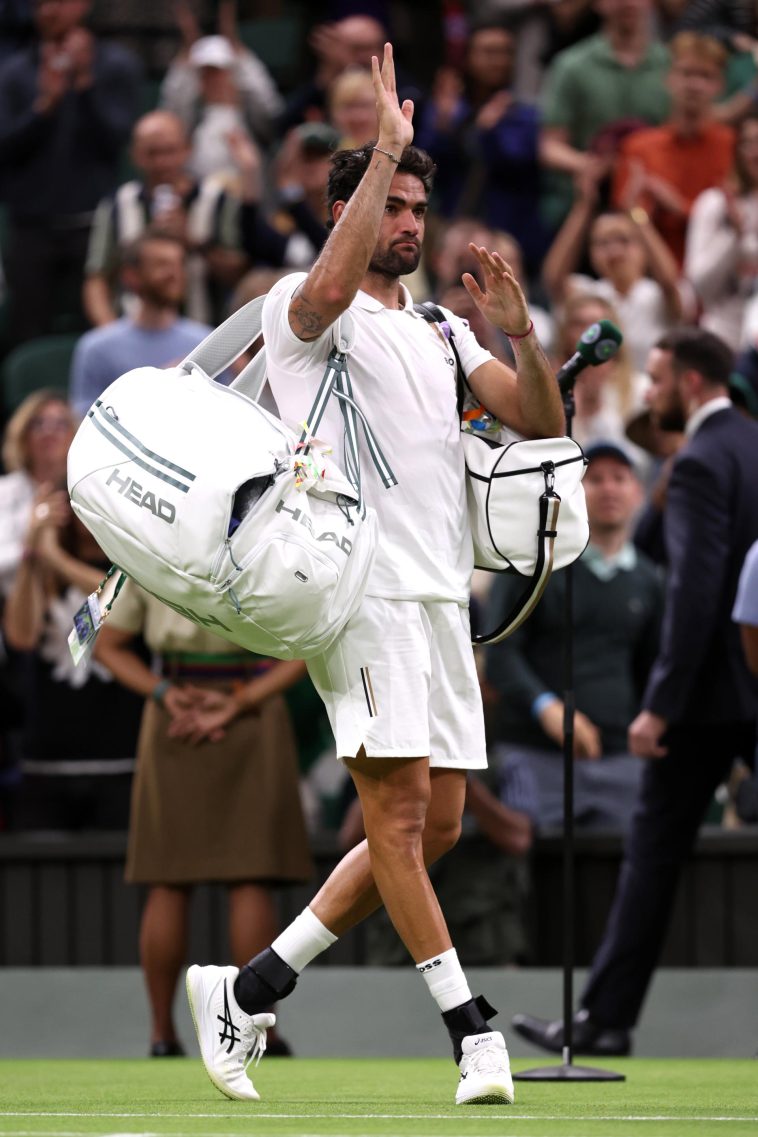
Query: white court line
458	1117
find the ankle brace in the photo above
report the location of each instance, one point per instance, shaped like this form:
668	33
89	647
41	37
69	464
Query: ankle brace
469	1018
263	981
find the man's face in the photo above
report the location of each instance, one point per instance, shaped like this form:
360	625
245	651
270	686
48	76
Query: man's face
401	234
56	18
613	494
694	84
159	278
161	152
664	395
490	57
361	37
624	15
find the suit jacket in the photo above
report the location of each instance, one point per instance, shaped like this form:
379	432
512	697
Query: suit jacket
710	522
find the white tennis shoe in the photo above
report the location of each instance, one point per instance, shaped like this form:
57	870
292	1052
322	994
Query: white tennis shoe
485	1071
229	1039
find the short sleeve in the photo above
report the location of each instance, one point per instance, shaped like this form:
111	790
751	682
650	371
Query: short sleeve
470	351
282	345
129	609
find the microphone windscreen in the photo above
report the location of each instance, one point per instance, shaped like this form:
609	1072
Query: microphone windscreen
599	342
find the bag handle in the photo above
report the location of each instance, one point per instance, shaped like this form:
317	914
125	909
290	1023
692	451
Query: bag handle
222	346
550	504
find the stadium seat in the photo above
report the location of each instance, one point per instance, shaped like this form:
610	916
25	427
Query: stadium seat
42	362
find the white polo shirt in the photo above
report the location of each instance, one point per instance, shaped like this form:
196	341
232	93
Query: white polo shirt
403	378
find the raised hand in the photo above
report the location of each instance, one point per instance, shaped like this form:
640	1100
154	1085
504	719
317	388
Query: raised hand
395	121
502	302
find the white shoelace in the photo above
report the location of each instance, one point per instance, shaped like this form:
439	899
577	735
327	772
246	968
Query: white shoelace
258	1049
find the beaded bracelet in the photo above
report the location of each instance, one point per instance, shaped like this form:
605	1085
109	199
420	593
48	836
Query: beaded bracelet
521	335
387	153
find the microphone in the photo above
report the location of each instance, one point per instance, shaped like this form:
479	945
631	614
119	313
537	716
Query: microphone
597	344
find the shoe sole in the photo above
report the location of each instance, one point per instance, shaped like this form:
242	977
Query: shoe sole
488	1097
219	1086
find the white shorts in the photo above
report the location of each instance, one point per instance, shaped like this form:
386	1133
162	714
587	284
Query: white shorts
401	682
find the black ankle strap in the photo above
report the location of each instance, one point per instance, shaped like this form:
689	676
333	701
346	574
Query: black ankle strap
274	972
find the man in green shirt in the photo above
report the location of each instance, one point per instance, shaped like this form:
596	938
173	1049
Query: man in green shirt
619	73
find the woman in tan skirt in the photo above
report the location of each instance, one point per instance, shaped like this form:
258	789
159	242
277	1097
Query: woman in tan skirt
216	792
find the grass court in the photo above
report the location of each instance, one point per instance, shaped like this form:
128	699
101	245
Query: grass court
372	1097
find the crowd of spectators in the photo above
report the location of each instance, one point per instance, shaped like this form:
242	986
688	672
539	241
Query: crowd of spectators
608	149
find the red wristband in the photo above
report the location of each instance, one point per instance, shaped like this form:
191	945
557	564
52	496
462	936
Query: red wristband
521	335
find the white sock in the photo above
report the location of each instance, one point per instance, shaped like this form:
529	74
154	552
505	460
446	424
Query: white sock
303	940
444	977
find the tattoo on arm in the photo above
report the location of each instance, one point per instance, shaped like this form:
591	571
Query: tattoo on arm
305	321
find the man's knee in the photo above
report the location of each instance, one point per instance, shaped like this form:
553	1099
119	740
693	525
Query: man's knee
440	835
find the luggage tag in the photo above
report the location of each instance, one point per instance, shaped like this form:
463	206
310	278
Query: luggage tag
88	620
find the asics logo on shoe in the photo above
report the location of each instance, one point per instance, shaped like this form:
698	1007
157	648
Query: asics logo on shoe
230	1033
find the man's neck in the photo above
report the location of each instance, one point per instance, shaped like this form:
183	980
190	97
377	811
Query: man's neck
154	318
384	288
688	125
628	46
610	542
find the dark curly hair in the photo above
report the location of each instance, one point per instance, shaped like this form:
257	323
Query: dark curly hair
349	166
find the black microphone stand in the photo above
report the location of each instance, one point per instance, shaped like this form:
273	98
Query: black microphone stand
567	1071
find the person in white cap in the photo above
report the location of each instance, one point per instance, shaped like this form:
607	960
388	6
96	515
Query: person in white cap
218	71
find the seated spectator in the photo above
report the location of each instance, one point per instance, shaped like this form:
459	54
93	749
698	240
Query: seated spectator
79	729
217	84
606	396
634	269
35	450
663	169
154	336
721	258
618	599
201	213
67	104
485	142
216	754
615	76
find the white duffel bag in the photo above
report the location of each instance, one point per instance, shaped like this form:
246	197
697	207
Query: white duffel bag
517	491
213	505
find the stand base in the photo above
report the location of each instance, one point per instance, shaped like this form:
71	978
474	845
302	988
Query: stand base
568	1073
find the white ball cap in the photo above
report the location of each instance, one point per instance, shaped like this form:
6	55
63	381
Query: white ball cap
212	51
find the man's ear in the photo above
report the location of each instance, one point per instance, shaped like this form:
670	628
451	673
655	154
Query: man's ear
337	210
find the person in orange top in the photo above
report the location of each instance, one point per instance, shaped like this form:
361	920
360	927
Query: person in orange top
662	170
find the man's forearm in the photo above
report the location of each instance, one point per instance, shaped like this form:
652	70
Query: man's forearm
538	393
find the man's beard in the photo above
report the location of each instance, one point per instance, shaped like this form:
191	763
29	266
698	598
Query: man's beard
673	418
392	264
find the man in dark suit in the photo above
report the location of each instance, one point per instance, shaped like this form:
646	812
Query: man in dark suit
699	707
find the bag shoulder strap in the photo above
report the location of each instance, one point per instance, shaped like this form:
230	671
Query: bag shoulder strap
433	314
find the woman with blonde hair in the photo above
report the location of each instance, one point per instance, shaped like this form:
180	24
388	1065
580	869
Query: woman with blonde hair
32	491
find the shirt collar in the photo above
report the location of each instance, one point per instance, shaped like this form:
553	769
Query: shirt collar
605	568
371	304
696	420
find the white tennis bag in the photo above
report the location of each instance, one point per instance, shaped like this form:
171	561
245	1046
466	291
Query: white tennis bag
517	489
214	506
